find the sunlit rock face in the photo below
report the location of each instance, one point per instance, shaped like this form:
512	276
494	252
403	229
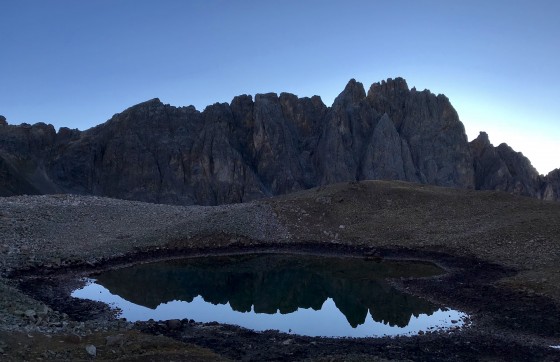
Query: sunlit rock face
269	145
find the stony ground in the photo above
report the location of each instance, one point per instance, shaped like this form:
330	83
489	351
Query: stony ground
502	253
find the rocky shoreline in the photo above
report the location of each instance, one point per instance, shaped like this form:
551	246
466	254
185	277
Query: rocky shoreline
500	252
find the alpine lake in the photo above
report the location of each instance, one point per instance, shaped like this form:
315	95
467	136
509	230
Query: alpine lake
313	295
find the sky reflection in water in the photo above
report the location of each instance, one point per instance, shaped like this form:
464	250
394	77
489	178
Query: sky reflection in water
308	295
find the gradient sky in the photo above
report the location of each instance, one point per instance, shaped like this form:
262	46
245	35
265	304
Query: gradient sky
76	63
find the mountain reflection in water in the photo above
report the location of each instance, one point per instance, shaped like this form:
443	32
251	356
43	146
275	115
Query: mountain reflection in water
268	283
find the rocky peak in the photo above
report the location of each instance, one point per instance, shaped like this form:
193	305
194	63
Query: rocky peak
266	97
482	138
354	92
242	108
143	106
432	130
516	161
267	146
241	99
501	168
389	88
217	112
66	134
390	97
317	102
480	143
150	102
3	121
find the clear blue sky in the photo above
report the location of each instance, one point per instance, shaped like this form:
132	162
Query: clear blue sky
76	63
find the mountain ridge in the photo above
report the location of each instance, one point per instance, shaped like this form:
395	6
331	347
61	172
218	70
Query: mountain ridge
270	145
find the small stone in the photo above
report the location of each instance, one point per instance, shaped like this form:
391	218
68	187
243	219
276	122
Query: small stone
43	310
91	350
287	342
30	313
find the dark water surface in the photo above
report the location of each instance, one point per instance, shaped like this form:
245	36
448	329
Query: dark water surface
304	294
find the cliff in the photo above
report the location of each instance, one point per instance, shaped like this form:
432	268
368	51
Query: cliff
270	145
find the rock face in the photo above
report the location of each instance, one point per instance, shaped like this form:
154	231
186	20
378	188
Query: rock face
24	149
501	168
551	187
271	145
432	131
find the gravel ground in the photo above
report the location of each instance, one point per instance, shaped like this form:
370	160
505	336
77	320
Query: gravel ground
39	234
64	229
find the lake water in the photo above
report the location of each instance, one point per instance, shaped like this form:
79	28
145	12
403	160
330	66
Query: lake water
302	294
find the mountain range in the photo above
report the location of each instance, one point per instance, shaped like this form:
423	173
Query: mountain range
270	145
